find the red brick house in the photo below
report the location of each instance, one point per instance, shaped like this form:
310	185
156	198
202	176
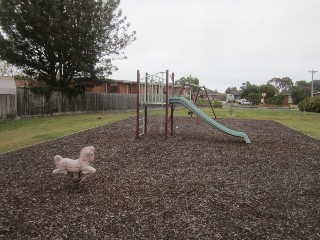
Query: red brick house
129	87
114	86
212	94
287	99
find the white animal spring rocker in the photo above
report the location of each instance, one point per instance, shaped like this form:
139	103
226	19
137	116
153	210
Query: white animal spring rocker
76	168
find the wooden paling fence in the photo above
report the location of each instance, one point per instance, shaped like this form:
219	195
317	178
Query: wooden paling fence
26	103
7	105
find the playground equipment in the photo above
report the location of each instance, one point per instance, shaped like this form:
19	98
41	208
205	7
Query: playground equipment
154	91
76	168
189	105
195	98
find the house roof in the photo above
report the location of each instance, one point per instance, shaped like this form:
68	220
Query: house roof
7	85
22	83
142	83
121	81
210	92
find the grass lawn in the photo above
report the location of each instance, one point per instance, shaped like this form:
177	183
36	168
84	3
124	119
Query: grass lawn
308	123
19	133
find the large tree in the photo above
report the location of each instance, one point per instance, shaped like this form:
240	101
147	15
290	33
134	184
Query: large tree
269	90
282	84
255	98
229	90
300	93
63	44
248	88
6	69
316	85
302	84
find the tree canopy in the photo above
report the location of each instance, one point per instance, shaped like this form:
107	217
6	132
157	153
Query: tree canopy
229	90
6	69
282	84
253	97
248	88
63	44
269	90
275	90
300	93
186	80
316	85
302	84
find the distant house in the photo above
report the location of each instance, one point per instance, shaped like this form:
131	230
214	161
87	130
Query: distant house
130	87
236	94
212	94
287	98
7	85
22	83
229	98
113	86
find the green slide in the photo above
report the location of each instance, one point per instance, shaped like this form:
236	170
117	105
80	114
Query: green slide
186	103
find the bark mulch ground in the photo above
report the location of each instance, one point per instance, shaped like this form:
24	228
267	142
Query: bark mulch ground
199	184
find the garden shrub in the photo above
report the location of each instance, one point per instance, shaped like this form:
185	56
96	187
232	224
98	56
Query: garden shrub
277	100
201	102
310	104
217	104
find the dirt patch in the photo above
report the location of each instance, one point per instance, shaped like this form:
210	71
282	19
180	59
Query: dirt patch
199	184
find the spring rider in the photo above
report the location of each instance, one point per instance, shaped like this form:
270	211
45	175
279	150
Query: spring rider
79	169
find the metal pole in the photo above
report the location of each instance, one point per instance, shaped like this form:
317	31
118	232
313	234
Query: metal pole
196	98
172	77
172	108
167	103
312	73
146	107
190	91
161	83
209	101
138	104
159	88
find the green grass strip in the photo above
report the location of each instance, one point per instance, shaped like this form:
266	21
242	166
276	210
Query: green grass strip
15	134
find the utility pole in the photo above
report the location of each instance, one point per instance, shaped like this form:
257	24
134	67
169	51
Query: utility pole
312	73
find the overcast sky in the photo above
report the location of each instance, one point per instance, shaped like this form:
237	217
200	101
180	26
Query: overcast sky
223	42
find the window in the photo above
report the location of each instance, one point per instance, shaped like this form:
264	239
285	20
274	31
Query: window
113	87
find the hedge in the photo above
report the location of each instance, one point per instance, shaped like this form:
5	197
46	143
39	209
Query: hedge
310	104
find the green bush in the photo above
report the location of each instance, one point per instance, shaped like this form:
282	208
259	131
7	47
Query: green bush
216	104
255	98
310	104
277	100
201	102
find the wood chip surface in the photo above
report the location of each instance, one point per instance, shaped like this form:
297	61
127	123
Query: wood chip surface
199	184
